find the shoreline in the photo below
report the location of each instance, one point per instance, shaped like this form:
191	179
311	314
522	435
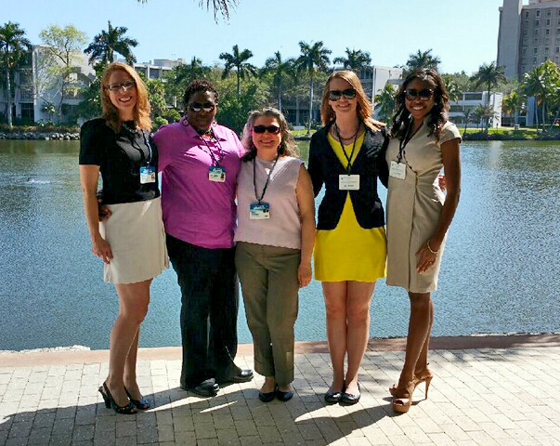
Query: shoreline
84	355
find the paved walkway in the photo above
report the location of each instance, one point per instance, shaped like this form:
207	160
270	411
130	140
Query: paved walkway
501	395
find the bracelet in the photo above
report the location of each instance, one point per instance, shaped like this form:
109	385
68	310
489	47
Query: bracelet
430	248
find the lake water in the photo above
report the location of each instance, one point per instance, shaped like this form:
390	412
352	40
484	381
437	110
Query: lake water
500	270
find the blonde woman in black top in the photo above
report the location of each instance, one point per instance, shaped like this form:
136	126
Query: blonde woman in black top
131	242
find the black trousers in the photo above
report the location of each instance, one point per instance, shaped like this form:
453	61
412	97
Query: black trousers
209	305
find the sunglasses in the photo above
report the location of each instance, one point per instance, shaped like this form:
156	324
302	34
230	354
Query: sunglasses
424	94
126	85
196	107
349	93
266	128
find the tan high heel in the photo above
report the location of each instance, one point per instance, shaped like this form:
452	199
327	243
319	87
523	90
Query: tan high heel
401	404
424	376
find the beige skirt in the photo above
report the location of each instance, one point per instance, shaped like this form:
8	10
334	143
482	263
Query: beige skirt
136	235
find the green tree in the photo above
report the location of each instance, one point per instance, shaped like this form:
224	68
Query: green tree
455	93
218	6
468	113
512	103
13	45
314	57
107	43
63	47
542	82
490	77
279	69
385	102
484	113
355	60
421	59
238	60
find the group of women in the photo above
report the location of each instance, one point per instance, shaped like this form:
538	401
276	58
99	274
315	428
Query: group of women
269	235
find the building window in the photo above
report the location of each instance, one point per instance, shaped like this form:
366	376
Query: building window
537	22
536	32
545	58
547	22
527	13
524	60
536	40
558	49
538	13
535	50
523	68
547	31
547	40
546	50
524	50
534	60
548	12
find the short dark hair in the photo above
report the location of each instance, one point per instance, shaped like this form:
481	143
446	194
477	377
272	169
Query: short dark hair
197	85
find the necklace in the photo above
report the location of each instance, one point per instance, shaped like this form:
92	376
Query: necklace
345	138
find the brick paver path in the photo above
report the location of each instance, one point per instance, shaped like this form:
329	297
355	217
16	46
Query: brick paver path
478	397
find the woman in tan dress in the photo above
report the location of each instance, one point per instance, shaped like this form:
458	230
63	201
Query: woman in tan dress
418	213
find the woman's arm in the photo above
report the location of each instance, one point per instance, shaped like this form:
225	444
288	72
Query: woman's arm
452	165
306	203
89	175
314	166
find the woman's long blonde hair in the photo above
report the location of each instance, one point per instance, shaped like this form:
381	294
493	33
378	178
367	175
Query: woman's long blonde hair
142	108
364	109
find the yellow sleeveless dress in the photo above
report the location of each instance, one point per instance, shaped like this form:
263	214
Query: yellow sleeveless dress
349	252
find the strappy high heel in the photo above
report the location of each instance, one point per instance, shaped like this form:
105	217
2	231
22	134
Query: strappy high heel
424	376
402	404
141	404
129	409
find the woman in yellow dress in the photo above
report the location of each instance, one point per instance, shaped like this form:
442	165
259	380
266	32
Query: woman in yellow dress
346	155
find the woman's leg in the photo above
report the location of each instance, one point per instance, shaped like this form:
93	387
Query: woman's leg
357	311
335	304
420	324
133	307
422	363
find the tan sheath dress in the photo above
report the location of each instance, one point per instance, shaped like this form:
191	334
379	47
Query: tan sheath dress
413	208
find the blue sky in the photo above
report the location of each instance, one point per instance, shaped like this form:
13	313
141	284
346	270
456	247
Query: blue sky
463	33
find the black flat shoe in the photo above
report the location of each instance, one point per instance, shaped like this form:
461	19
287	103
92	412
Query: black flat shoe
141	404
267	397
208	387
349	399
129	409
333	397
283	396
242	376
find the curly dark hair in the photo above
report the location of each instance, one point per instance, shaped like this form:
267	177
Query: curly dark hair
198	85
438	114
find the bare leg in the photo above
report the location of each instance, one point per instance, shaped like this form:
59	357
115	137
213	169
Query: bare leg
133	307
269	384
422	363
357	311
130	369
418	330
335	303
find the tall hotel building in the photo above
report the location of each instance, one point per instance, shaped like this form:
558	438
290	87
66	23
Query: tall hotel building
529	35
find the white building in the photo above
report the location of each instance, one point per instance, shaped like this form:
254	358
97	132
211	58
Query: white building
469	101
156	69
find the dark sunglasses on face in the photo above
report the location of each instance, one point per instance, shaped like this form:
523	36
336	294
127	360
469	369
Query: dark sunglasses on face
207	107
126	85
424	94
349	93
266	128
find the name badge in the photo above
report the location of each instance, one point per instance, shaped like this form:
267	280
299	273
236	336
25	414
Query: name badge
147	174
349	182
398	170
259	211
217	174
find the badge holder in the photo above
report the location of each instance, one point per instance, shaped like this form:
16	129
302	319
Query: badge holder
217	174
259	211
397	170
147	174
348	182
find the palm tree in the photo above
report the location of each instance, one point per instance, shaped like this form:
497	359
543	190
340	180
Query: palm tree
490	77
422	59
186	73
107	43
484	113
355	60
455	93
543	82
313	57
218	6
280	69
385	102
513	103
467	112
13	46
238	60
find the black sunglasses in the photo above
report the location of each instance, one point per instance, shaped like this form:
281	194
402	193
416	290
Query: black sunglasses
266	128
207	107
349	93
424	94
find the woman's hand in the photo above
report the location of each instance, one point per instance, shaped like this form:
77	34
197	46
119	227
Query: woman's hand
427	255
103	211
441	182
304	274
101	249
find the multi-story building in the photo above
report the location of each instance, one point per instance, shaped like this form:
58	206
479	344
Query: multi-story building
156	68
528	35
469	101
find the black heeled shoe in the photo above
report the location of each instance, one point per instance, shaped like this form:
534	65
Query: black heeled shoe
141	404
129	409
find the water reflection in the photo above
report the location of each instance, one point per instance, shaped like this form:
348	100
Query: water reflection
499	272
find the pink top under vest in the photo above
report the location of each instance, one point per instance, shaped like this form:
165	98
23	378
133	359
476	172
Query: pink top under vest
283	228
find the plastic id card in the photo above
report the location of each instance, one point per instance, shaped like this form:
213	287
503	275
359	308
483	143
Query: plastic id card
147	174
259	211
398	170
349	182
217	174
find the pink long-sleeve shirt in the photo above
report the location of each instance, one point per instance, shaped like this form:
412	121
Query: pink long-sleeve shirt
195	209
